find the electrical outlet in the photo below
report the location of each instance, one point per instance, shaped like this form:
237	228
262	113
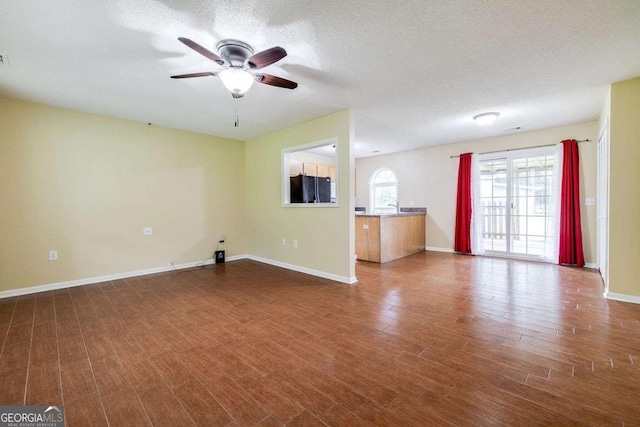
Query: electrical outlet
589	201
53	255
147	231
295	243
284	242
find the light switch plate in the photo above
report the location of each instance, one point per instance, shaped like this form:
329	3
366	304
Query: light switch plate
365	226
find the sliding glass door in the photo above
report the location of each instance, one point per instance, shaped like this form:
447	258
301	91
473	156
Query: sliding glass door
517	202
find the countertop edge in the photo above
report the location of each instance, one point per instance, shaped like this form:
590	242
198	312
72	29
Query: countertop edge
391	215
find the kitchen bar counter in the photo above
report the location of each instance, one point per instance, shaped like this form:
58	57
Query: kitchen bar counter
383	238
387	215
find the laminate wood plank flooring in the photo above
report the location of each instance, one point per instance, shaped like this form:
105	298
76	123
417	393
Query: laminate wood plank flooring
430	339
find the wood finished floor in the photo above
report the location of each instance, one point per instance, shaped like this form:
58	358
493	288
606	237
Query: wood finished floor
432	339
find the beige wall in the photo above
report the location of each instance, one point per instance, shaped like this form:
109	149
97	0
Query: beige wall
85	185
324	234
428	177
624	196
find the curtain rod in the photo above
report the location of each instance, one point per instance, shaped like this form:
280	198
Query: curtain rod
523	148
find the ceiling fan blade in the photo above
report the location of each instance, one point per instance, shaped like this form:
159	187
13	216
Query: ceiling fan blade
186	76
201	50
268	79
267	57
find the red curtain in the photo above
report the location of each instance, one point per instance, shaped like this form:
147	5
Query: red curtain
570	251
463	206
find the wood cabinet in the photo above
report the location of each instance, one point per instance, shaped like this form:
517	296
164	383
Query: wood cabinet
295	168
323	170
311	169
368	238
383	238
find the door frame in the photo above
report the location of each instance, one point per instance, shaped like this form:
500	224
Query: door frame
509	156
602	227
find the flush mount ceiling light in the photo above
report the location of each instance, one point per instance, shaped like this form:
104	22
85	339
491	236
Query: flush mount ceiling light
486	119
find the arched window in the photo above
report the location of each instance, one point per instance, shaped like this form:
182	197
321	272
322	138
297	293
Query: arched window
383	191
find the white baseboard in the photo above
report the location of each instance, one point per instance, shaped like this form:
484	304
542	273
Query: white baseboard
447	250
317	273
236	257
100	279
590	265
622	297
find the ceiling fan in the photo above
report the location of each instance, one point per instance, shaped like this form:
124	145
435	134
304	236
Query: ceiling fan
238	59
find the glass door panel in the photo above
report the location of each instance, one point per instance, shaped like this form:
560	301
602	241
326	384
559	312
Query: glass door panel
493	190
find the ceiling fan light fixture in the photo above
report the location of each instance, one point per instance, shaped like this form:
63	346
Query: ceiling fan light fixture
237	80
486	119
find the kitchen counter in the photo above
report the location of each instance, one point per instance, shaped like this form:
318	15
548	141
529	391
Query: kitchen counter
385	237
395	214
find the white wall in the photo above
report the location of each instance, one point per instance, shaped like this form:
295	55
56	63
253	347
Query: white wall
306	157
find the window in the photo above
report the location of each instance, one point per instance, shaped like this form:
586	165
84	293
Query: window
383	191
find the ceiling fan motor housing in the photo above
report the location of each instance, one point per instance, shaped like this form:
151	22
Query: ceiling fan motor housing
235	52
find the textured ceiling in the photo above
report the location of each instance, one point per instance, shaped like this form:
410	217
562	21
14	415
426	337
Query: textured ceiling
413	72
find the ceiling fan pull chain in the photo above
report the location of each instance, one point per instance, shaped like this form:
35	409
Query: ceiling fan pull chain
237	122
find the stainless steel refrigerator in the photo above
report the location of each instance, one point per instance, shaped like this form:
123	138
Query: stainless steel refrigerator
310	189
